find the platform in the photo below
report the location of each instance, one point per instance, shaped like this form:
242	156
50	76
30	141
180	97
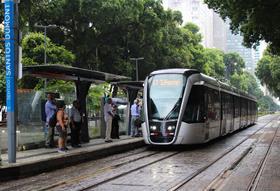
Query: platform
36	161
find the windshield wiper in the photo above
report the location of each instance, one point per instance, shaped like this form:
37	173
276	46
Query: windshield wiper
177	104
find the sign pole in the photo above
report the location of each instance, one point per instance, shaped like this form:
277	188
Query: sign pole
10	58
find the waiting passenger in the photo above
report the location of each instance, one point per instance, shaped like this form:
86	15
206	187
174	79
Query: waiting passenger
108	117
50	109
75	124
115	123
61	126
135	114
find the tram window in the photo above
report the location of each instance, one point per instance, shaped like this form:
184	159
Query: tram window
195	112
236	106
213	104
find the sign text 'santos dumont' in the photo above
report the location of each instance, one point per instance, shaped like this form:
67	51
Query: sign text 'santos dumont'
9	54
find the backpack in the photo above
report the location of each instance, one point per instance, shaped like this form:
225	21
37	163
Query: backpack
53	120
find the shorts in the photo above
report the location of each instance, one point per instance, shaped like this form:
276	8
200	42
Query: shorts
61	133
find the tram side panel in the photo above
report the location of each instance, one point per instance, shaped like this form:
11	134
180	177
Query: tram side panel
192	128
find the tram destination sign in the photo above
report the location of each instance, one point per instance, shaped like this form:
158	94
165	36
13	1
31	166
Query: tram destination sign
9	54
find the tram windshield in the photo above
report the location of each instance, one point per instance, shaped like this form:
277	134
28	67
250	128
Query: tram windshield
165	95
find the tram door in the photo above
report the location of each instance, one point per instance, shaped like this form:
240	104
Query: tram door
227	113
213	112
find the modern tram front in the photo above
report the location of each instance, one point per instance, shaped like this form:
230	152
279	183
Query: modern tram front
165	97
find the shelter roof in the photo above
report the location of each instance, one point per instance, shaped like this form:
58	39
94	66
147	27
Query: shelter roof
69	73
130	84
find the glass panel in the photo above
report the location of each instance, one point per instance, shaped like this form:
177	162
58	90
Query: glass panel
165	95
213	109
195	111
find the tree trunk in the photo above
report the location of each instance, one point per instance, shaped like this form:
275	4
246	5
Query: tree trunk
82	92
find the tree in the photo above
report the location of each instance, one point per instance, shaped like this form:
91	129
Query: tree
234	63
268	71
214	64
34	48
256	20
266	104
33	54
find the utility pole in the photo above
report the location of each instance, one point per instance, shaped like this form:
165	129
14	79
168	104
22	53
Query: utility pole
136	65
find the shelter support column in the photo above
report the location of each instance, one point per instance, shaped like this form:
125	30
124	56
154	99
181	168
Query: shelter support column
82	89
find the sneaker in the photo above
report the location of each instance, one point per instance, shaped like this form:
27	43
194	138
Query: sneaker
108	141
49	146
66	148
61	150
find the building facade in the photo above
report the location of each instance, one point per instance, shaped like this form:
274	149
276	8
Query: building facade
215	32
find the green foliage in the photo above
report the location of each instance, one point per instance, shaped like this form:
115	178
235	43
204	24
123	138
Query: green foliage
257	20
64	87
247	83
266	104
33	45
234	63
268	71
2	70
33	54
2	88
95	94
214	63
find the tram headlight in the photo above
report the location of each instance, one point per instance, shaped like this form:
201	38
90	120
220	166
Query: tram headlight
170	128
153	127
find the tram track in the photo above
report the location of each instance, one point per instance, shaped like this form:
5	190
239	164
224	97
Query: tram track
108	168
211	163
176	187
220	182
254	182
21	185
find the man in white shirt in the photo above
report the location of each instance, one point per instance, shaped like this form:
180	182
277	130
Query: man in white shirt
75	124
108	117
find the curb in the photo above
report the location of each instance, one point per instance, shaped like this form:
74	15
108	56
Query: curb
16	171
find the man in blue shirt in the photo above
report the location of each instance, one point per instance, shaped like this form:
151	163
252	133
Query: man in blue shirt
135	114
50	109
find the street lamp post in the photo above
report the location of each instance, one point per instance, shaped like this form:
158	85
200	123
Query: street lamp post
136	65
45	27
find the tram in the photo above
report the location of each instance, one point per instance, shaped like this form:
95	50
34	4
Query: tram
184	106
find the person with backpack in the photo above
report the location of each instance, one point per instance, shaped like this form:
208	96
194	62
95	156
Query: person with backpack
50	110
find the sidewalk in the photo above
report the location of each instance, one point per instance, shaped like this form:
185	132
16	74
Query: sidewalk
36	161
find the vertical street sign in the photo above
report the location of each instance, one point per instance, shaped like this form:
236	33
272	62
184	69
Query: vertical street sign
9	34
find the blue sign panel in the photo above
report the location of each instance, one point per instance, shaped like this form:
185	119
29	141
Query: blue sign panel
9	54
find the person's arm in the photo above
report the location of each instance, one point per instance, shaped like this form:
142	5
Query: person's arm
72	118
59	119
52	106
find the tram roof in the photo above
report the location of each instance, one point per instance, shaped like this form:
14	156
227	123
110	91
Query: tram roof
175	70
69	73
